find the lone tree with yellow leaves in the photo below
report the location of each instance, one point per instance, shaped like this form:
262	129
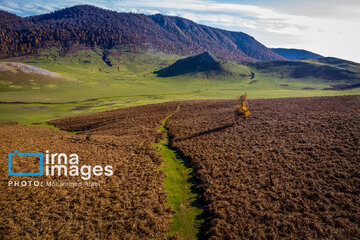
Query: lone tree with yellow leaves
242	110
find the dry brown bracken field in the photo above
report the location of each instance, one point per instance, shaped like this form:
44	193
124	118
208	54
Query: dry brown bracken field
291	170
128	205
309	147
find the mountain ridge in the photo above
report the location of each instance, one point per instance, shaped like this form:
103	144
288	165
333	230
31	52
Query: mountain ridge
95	27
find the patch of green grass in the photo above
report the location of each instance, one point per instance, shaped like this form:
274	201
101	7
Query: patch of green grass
178	187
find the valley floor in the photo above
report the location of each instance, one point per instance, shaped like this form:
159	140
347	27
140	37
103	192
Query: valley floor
88	85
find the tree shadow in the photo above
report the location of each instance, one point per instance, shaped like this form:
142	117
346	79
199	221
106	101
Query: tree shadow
217	129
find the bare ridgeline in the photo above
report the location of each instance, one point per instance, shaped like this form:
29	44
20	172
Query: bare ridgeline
310	147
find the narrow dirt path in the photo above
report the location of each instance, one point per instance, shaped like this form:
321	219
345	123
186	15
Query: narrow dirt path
179	189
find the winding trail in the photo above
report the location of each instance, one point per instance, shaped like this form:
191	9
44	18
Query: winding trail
179	189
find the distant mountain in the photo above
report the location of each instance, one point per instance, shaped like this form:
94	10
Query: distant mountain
295	54
95	27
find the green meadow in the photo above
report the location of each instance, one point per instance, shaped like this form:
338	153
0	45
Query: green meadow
89	85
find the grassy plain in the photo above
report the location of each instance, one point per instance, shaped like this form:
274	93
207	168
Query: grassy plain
90	85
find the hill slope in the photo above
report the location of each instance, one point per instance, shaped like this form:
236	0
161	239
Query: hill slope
295	54
319	69
25	68
92	26
337	61
206	65
199	63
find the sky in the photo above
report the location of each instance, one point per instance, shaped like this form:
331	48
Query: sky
326	27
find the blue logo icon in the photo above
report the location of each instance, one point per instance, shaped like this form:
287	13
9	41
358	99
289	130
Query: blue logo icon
40	173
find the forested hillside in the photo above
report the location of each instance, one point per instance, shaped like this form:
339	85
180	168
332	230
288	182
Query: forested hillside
90	26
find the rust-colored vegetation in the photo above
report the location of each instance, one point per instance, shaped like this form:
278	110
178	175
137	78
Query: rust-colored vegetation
291	171
131	204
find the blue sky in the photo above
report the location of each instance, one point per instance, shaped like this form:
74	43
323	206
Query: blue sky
327	27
